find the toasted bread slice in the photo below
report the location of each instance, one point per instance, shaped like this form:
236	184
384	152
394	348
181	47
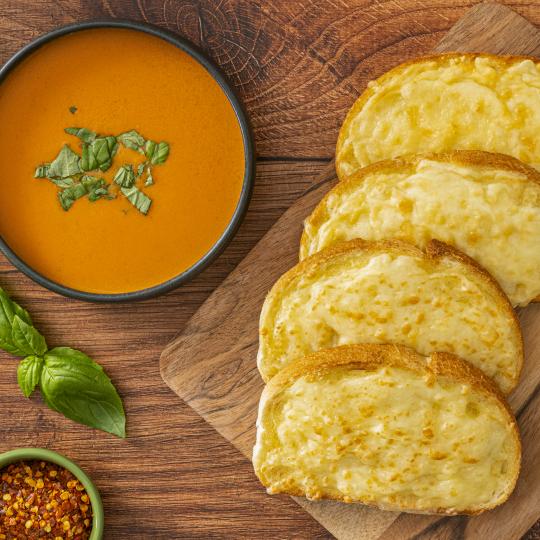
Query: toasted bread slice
391	291
487	205
385	426
445	102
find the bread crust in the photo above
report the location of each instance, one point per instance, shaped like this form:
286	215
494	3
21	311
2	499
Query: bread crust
440	60
372	356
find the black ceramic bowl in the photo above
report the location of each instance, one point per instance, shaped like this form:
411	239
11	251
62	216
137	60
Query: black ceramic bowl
249	169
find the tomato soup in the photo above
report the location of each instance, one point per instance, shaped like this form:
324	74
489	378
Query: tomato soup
111	81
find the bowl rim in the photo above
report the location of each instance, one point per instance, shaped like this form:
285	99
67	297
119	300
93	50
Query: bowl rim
42	454
249	167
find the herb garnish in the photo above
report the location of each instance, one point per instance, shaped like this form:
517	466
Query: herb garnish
70	382
68	170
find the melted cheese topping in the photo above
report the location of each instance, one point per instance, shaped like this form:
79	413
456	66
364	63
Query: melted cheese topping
427	305
387	437
492	215
480	103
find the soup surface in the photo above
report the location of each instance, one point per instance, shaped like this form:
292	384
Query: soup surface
117	80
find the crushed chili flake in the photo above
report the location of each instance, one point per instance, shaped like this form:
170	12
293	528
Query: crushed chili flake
39	499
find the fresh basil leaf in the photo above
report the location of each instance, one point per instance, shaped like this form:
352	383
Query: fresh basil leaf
125	177
76	386
156	153
8	311
69	195
140	169
137	198
66	164
84	134
29	373
149	177
132	139
27	339
99	153
42	171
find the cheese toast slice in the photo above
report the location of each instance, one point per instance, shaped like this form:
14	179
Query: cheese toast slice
391	291
487	205
445	102
385	426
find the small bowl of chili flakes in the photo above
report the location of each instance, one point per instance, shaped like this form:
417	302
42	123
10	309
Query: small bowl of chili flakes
45	495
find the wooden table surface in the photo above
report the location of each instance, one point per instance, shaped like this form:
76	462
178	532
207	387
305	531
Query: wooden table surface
298	65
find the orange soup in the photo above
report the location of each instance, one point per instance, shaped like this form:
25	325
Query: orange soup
112	81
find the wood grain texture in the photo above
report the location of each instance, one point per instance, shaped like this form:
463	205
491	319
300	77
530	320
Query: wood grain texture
212	364
298	65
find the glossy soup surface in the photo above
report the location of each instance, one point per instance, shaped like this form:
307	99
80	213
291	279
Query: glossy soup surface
119	80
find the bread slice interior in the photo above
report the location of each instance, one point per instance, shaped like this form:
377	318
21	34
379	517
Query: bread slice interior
445	102
385	426
487	205
435	299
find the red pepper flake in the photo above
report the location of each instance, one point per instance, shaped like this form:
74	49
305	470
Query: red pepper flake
39	499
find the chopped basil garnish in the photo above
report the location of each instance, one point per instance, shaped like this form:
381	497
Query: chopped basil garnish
133	140
66	164
125	177
68	170
63	182
70	194
156	153
137	198
42	171
73	109
84	134
98	154
96	188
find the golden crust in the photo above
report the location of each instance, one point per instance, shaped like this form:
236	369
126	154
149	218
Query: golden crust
370	356
434	250
440	59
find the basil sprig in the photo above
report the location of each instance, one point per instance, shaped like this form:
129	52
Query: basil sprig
68	171
70	382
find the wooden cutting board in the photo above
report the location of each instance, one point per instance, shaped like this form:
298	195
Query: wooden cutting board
211	365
